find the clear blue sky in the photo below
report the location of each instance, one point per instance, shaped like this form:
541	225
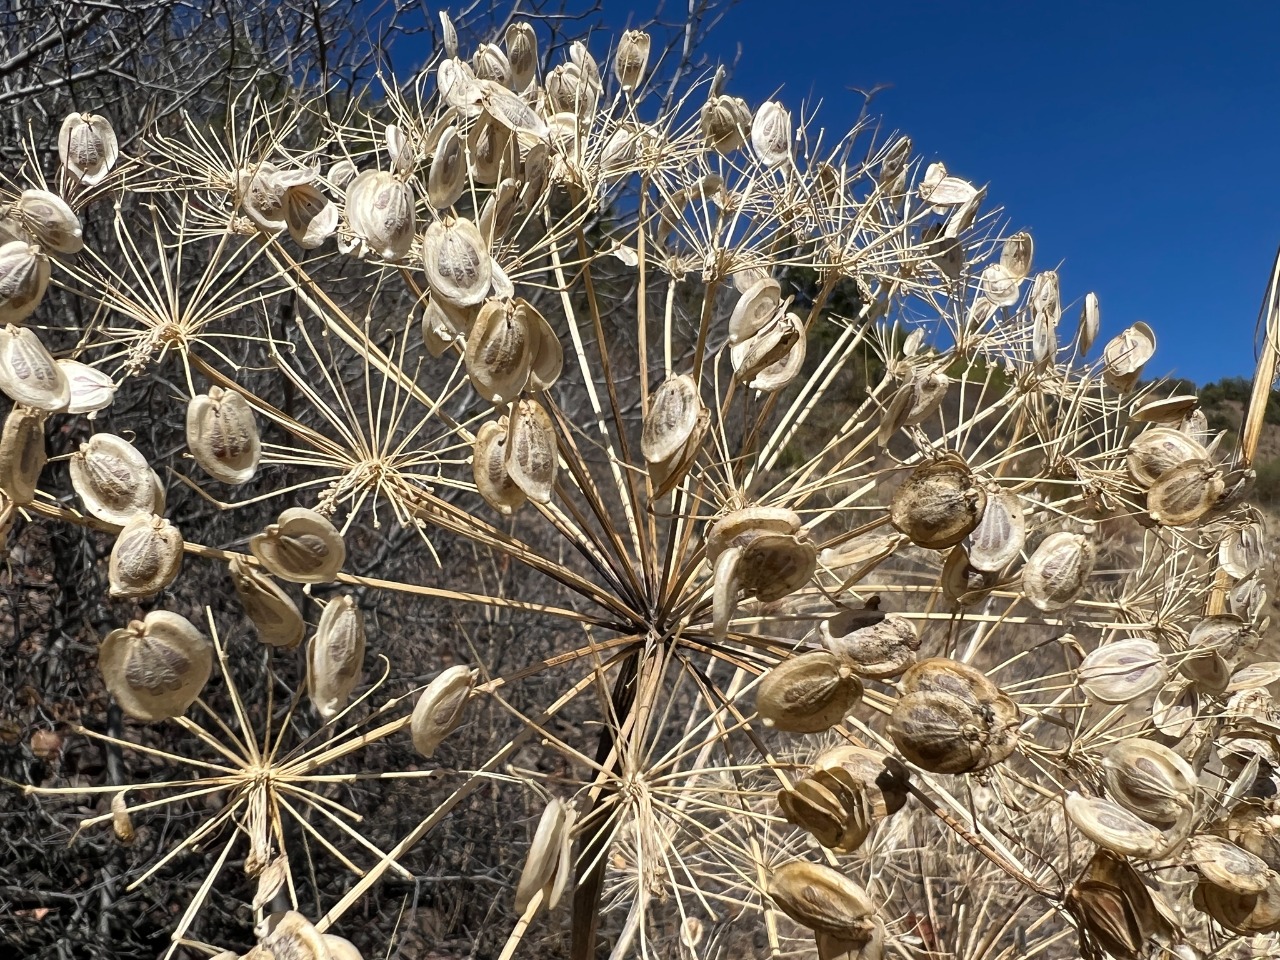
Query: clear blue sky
1138	141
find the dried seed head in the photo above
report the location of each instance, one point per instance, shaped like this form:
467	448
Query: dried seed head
522	55
380	214
547	855
87	147
807	693
91	390
22	454
440	708
1183	495
879	651
632	58
145	558
457	262
335	656
531	457
725	123
771	134
1111	826
1126	354
156	667
939	504
28	374
1123	670
1056	573
113	479
222	435
1158	450
301	547
671	418
822	899
274	614
572	92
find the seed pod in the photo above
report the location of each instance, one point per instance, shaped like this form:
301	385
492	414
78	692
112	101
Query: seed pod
1056	573
1090	321
260	189
499	351
887	774
459	87
1046	301
773	565
222	435
879	651
771	134
311	217
513	113
145	558
51	223
1158	450
447	177
573	90
999	536
335	656
739	527
440	708
666	474
113	479
457	262
274	614
1165	410
444	324
944	675
631	59
771	348
156	667
835	948
121	822
380	213
301	547
1242	550
291	936
942	191
822	899
531	457
998	286
489	469
1224	864
672	415
833	805
1185	494
939	504
493	151
1111	826
941	732
522	55
1123	670
22	454
28	374
340	948
547	361
1016	255
341	174
754	309
895	160
780	373
1126	354
962	583
808	693
87	147
91	390
1116	909
490	63
1148	780
546	854
725	123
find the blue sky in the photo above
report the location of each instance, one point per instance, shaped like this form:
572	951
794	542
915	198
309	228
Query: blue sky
1138	142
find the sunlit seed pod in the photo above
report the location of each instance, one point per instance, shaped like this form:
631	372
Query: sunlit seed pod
667	474
942	733
1148	779
1123	670
673	412
291	936
121	821
771	134
1248	599
489	62
823	899
854	797
440	708
301	547
28	373
961	582
1165	410
499	210
1253	676
836	948
1044	342
1116	909
1046	301
1111	826
725	123
335	656
1126	354
998	538
784	371
340	948
754	309
443	324
739	527
531	456
773	565
537	168
895	161
808	693
545	852
51	222
515	114
879	651
87	147
1057	572
500	350
942	191
1185	494
458	87
631	58
812	807
939	504
260	190
1089	324
222	435
457	261
500	283
22	454
944	675
146	557
623	151
447	176
1245	914
271	881
887	774
1016	254
1242	550
156	667
572	94
489	469
448	34
998	286
1224	864
311	217
274	614
91	390
341	173
547	360
770	349
379	209
1158	450
522	54
113	479
1225	633
928	390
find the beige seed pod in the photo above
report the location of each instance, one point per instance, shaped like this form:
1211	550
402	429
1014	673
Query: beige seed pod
271	881
113	480
547	361
1185	494
631	58
447	176
998	286
889	777
260	189
459	87
310	216
1149	780
773	565
1056	573
1046	300
546	853
1016	255
440	708
1175	709
1123	670
942	191
531	457
666	474
87	147
91	390
457	262
782	372
274	614
739	527
24	277
22	455
1158	450
335	656
443	324
448	35
671	417
877	651
156	667
49	220
808	693
941	732
145	558
754	309
222	435
340	948
725	123
522	54
835	948
962	583
493	151
380	213
939	504
290	936
1115	908
1224	864
999	536
301	546
1111	826
1242	550
1126	354
121	821
28	373
500	351
489	469
341	173
1165	410
489	62
817	809
822	899
513	113
1090	322
770	349
771	134
944	675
